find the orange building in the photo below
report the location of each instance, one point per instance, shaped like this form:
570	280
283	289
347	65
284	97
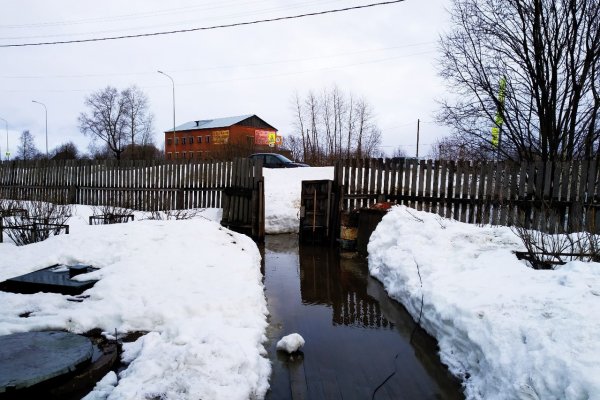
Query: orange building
221	138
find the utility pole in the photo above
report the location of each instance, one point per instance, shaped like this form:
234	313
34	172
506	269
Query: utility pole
418	128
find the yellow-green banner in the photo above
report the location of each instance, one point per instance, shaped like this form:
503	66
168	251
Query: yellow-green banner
499	120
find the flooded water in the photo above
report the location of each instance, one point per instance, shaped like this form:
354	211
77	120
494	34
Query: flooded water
360	344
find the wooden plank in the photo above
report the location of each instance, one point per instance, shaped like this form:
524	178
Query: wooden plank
246	182
489	192
513	193
346	184
590	219
225	205
353	176
538	194
427	184
475	174
398	179
457	189
213	183
435	193
380	175
234	184
387	173
243	211
450	187
464	207
442	190
501	187
364	182
480	193
579	205
554	194
219	179
505	192
547	180
420	185
414	174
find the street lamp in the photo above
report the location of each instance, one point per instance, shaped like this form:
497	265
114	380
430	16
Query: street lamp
7	152
46	124
173	83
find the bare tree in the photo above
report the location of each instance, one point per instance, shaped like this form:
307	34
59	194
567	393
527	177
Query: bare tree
298	110
457	148
547	56
26	149
106	120
139	119
334	125
116	118
399	152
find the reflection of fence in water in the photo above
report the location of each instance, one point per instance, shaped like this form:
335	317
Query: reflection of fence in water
359	311
340	285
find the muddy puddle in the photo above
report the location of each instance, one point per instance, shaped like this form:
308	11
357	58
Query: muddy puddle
360	344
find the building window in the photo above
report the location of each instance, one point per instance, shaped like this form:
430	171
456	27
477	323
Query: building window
183	154
176	141
199	139
182	140
191	140
169	156
198	155
207	139
169	141
176	154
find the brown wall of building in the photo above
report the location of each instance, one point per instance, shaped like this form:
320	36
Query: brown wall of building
241	140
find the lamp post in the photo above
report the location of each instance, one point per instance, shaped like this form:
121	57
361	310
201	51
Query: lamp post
45	109
7	156
173	83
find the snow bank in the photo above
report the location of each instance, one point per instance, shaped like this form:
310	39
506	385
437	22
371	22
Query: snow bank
508	331
194	286
283	188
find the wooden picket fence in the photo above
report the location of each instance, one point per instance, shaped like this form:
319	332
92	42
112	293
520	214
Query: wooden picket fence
142	185
244	199
552	197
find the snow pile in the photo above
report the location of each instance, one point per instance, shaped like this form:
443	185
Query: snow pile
290	343
194	286
283	188
508	331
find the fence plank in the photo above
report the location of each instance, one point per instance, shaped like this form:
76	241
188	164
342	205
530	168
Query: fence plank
441	207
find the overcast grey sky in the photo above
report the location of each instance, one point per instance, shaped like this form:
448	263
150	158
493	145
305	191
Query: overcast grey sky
386	54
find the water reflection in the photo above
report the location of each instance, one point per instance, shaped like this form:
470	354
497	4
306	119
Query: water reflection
356	336
327	279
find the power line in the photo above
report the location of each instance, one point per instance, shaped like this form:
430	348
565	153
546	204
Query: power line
249	78
112	18
255	22
230	66
155	26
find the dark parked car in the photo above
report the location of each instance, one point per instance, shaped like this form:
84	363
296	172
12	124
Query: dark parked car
272	160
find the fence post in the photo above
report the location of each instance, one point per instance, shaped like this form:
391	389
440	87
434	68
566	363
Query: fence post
179	195
72	196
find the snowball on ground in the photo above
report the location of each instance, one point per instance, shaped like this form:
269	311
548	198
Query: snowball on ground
283	188
290	343
509	331
194	286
